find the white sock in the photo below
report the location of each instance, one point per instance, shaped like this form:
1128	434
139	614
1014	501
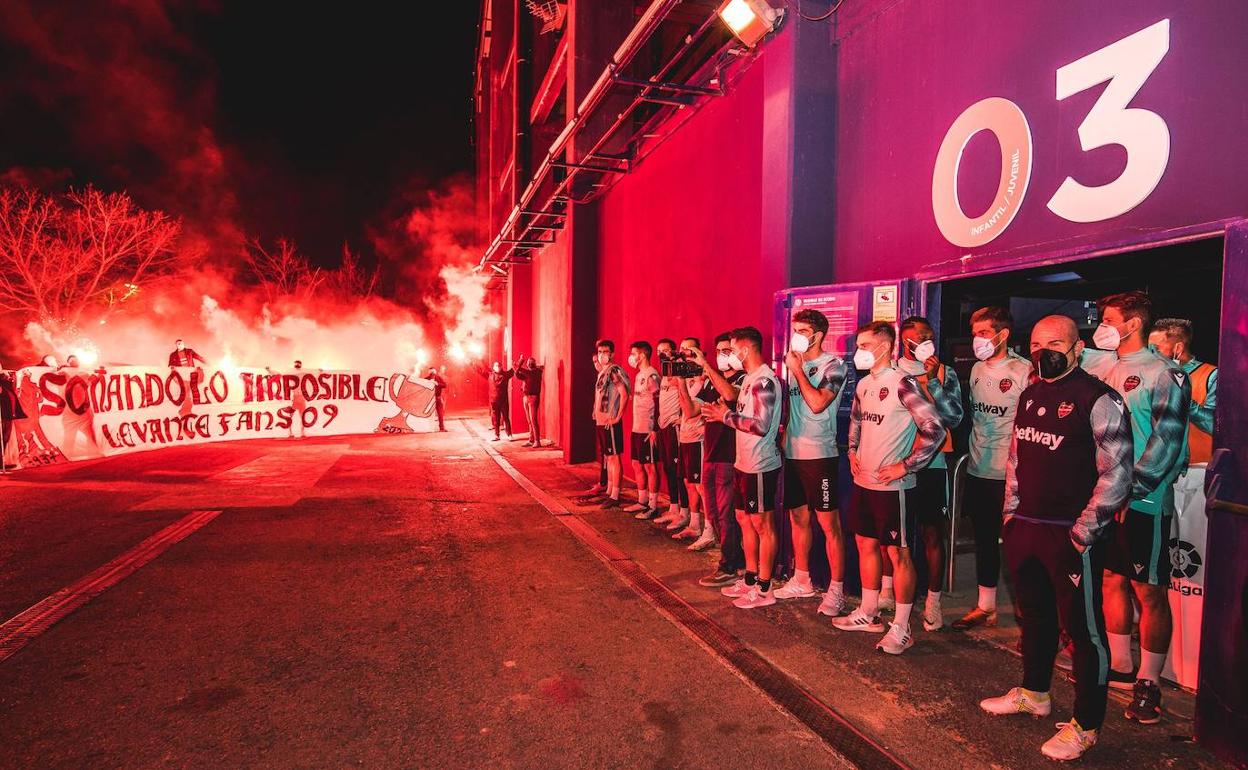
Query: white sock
695	521
709	529
902	618
870	602
684	513
886	584
614	493
1150	665
1120	652
836	587
933	599
801	576
643	497
987	598
672	508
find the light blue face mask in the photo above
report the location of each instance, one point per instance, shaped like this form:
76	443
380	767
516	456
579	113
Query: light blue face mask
1173	359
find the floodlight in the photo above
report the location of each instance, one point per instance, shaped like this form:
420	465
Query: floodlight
750	20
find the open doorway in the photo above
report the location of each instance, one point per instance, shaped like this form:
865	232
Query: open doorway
1184	281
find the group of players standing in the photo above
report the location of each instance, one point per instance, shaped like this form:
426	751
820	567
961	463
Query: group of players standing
1073	459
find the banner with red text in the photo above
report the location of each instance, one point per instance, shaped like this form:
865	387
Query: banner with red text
75	414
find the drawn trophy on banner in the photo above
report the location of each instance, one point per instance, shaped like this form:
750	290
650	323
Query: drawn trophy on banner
414	397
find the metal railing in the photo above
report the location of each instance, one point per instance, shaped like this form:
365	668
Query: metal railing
955	513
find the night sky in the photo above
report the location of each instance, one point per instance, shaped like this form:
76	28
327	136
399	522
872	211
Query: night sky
290	120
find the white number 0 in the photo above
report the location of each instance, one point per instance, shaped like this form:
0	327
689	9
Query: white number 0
1126	64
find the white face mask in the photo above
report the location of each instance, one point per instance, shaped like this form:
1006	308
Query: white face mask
723	361
604	358
984	347
632	361
864	359
924	350
799	343
1107	337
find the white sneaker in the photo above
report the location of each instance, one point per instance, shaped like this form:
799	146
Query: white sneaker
933	618
888	603
1070	742
1018	701
833	604
667	518
755	598
635	508
680	522
645	513
736	590
896	641
688	533
706	540
858	621
795	589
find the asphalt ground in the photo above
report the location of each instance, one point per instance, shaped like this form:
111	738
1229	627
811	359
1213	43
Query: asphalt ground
401	601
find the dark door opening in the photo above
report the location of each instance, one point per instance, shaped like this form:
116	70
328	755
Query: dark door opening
1184	281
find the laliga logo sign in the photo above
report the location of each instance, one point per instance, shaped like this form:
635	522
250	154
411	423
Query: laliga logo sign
1126	64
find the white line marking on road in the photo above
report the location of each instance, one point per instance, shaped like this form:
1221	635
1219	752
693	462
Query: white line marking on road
18	632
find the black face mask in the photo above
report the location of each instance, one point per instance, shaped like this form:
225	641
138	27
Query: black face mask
1050	363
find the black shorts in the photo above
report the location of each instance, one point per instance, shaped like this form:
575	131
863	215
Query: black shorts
931	496
750	487
691	462
1139	548
611	439
642	449
885	515
811	483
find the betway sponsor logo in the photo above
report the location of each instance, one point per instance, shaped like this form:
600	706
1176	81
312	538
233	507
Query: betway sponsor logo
1043	438
878	419
997	410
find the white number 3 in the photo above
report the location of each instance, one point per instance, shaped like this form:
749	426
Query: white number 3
1126	64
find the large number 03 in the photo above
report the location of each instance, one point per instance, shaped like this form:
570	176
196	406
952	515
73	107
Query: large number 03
1126	64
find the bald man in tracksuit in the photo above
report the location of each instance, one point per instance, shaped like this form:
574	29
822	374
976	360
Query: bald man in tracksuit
1067	475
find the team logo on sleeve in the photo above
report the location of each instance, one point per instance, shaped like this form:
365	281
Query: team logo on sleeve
1179	376
883	393
1005	385
1131	383
1064	409
1030	401
811	372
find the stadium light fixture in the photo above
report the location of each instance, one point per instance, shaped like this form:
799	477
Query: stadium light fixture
750	20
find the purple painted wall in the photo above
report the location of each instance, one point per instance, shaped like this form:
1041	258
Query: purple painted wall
906	70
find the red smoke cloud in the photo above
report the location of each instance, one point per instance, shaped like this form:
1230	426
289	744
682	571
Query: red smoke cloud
140	96
429	243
